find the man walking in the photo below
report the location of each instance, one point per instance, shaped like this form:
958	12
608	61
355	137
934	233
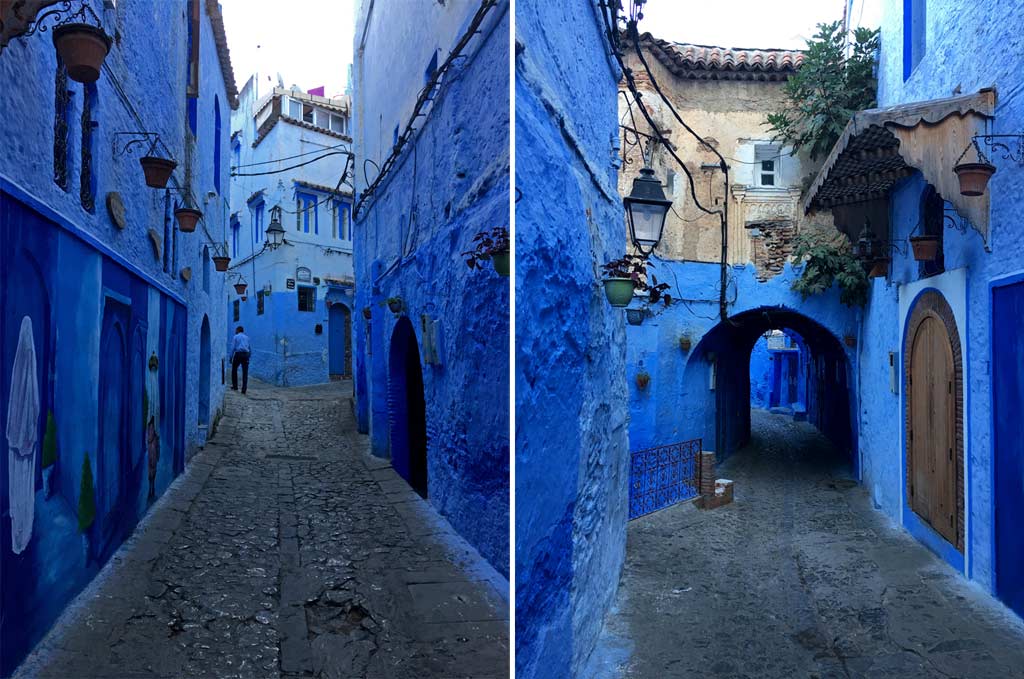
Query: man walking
240	351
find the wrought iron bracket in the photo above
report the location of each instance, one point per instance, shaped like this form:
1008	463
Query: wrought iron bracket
136	139
61	15
1010	146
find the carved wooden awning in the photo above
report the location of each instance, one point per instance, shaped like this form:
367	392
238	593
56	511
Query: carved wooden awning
880	147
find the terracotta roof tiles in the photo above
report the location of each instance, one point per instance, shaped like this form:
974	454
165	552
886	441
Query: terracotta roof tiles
709	62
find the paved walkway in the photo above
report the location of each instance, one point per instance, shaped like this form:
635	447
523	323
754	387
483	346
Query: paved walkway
799	577
286	551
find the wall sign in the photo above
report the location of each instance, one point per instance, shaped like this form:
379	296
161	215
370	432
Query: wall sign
290	283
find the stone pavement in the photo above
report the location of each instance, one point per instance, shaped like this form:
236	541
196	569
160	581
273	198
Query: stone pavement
286	550
800	577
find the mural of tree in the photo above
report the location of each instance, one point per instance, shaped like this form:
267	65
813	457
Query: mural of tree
50	441
86	498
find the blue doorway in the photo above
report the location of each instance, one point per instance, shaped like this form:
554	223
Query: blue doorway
1008	435
339	341
112	452
204	373
407	408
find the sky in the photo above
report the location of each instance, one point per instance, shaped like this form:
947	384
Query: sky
308	41
783	24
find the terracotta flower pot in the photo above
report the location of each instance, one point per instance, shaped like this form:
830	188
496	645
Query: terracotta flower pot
157	170
501	263
367	313
974	177
850	341
635	316
82	48
619	291
684	343
188	218
395	305
642	380
240	288
926	248
221	263
879	268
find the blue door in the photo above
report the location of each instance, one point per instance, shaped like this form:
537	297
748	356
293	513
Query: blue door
1007	399
112	453
339	341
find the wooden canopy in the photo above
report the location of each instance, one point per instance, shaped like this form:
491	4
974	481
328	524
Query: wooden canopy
881	146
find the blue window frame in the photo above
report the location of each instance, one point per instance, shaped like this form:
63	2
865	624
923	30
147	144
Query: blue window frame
235	226
256	210
914	34
306	213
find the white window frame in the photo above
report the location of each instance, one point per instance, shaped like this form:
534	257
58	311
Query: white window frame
767	153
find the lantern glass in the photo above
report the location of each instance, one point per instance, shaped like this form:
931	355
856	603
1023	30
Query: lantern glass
646	209
275	232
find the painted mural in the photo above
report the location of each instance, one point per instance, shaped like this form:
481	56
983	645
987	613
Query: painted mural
90	355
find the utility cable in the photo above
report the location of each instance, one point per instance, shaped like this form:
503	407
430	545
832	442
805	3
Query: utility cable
292	167
297	155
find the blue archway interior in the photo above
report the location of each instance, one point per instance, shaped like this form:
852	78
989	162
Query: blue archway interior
728	346
407	408
204	373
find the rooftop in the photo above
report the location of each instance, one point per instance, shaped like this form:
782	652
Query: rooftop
710	62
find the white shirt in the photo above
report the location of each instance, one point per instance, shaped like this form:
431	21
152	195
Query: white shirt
240	342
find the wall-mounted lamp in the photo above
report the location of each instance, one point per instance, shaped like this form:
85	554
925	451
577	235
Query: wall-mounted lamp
646	208
275	232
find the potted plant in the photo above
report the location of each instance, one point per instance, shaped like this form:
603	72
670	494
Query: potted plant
367	312
493	245
623	276
635	316
684	343
86	505
221	261
926	248
395	304
82	48
879	268
974	177
49	454
188	218
643	378
157	170
240	289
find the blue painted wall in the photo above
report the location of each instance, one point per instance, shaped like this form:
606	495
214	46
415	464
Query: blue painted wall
104	299
965	47
449	183
572	452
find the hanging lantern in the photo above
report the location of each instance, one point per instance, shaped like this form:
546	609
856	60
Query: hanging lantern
275	232
646	208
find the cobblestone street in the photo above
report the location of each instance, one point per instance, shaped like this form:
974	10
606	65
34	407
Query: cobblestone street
799	577
285	550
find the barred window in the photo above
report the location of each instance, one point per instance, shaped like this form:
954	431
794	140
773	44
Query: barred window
62	106
87	179
307	298
236	309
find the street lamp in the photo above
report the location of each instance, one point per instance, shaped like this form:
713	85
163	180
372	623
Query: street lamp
868	247
646	207
275	232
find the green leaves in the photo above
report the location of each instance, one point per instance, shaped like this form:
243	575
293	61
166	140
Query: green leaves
86	498
828	89
827	264
50	441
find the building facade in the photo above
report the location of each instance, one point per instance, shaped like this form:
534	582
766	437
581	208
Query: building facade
944	329
432	334
110	316
292	150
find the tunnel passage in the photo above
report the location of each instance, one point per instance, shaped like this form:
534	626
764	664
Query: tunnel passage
819	379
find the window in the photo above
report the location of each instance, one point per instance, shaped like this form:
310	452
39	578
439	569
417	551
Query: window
323	119
216	144
256	210
307	298
206	270
933	213
236	154
62	106
236	305
335	206
766	159
914	36
338	124
346	224
235	226
87	178
307	114
306	213
259	302
294	109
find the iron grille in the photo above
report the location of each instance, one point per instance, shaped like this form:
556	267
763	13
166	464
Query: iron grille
62	104
85	189
663	476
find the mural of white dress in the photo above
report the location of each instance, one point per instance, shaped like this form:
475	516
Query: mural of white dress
22	432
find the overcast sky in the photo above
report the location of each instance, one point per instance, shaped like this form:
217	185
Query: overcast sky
748	23
308	41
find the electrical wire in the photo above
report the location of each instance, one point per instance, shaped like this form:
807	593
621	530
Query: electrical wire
297	155
292	167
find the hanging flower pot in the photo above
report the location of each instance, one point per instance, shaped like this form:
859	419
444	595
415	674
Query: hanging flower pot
974	177
501	262
395	304
367	313
82	48
157	170
643	379
240	288
619	291
635	316
220	263
879	268
926	248
188	218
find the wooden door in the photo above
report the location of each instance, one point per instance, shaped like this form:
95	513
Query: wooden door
932	434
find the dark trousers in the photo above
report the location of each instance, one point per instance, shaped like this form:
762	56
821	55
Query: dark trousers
241	358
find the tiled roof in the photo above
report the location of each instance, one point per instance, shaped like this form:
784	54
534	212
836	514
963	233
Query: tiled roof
707	62
220	39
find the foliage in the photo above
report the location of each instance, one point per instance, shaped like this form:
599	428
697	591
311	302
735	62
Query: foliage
634	267
827	89
50	441
86	498
488	244
827	264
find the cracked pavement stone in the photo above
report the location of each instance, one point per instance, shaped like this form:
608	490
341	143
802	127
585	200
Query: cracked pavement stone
799	577
289	561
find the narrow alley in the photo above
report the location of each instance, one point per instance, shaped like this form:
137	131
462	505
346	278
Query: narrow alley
799	577
286	550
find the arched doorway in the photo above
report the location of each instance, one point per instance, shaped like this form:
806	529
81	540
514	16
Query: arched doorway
112	459
204	373
933	370
339	341
407	408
